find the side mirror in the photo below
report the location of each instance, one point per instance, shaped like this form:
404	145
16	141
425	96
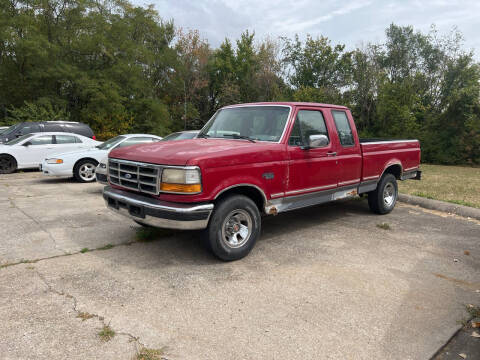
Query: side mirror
28	143
315	141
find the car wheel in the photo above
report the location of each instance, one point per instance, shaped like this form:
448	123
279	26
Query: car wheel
234	228
84	170
8	164
383	199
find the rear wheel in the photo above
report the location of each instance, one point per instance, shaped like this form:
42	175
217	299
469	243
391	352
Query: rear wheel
8	164
383	199
234	228
84	170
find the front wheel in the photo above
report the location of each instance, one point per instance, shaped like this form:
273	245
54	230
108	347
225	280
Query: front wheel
84	170
8	164
383	199
234	228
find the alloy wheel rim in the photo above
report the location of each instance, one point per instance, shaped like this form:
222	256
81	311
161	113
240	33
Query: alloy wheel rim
87	172
389	194
237	228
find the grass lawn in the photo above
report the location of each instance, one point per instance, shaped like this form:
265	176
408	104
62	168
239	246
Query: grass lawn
456	184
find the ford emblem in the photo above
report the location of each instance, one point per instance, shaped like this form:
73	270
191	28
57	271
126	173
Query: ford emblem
128	176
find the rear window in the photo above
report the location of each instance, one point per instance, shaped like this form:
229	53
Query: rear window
66	139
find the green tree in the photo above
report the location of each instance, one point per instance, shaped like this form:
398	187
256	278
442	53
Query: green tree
42	110
316	63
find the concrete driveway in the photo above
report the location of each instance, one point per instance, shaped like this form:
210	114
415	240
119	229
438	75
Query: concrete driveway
322	283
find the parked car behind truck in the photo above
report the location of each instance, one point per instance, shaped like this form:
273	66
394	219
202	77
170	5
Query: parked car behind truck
28	151
81	164
254	159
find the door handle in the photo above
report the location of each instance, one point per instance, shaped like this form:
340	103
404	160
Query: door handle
332	153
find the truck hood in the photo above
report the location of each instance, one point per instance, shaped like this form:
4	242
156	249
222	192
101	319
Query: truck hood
215	152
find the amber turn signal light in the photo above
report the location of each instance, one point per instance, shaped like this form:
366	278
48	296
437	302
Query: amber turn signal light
181	188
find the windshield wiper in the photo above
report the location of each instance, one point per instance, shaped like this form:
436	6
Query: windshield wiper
202	135
236	136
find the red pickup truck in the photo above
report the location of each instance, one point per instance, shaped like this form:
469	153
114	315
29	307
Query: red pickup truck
251	160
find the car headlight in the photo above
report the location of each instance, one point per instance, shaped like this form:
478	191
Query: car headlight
180	180
102	166
54	161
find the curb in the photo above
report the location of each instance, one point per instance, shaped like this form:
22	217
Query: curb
460	210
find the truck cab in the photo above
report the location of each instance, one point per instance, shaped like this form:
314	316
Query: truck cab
251	160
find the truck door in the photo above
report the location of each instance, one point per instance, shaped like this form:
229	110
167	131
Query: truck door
310	169
348	150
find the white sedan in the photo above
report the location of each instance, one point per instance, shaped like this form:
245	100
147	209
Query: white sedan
28	151
81	164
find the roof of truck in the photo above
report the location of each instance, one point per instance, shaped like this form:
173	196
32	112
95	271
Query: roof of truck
290	103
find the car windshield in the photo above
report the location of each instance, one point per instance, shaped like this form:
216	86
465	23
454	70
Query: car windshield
107	145
19	139
264	123
11	129
180	136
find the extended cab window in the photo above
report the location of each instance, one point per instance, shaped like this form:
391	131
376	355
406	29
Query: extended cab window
308	122
343	128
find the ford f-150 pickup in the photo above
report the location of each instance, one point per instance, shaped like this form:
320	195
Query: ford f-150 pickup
251	160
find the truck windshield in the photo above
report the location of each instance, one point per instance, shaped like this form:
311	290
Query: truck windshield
264	123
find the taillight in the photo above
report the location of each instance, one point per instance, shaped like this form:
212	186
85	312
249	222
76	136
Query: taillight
94	137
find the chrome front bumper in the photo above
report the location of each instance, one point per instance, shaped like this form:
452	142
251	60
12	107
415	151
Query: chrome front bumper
150	211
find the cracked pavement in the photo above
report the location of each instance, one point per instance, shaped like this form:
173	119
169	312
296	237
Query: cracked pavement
322	282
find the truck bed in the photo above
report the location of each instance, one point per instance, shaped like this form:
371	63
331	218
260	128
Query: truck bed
378	154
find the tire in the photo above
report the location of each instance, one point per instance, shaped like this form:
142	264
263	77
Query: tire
8	164
383	199
234	228
84	170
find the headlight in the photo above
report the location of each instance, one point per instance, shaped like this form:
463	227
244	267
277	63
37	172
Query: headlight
181	181
102	166
54	161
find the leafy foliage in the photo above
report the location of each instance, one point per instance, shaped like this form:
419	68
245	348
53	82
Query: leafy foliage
42	110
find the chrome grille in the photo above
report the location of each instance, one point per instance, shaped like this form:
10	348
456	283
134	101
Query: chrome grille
134	175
